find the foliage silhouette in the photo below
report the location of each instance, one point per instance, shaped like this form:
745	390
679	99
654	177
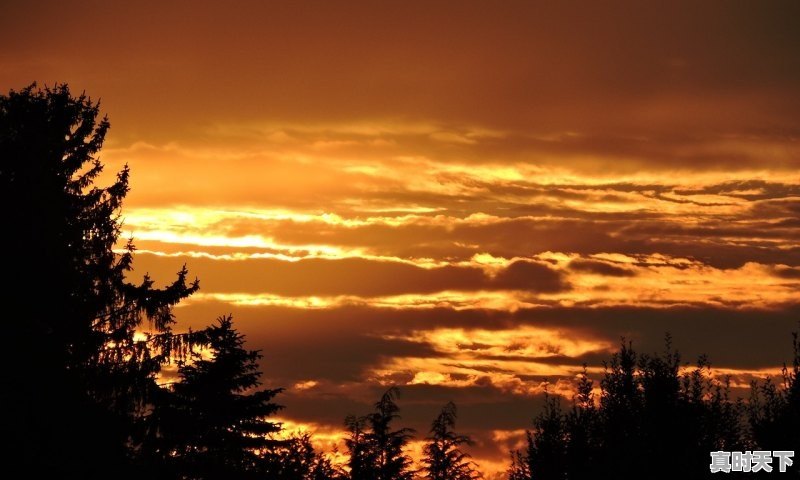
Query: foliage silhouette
87	403
75	313
297	459
651	408
215	424
774	411
442	457
376	450
363	456
581	429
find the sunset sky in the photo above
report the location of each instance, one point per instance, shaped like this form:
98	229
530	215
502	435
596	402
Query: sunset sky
468	200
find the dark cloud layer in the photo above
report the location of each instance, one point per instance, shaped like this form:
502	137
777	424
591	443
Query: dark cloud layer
349	276
600	268
346	340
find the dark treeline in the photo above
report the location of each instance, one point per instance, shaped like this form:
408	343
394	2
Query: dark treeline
653	420
86	393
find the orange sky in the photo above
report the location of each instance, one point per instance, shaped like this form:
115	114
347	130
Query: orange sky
466	199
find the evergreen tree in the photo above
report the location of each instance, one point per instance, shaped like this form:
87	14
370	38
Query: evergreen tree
547	444
362	459
581	425
647	407
621	404
774	410
388	444
80	402
519	469
663	425
443	457
376	450
297	459
218	419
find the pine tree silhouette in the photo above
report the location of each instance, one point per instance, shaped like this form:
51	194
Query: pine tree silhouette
774	410
581	424
363	456
621	405
376	450
76	380
443	458
547	447
650	407
389	444
218	419
297	459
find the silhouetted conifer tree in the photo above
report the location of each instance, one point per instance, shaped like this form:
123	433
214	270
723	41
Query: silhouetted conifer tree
376	449
443	458
389	444
362	460
774	410
621	404
648	409
218	418
297	459
77	380
581	424
547	448
663	425
519	469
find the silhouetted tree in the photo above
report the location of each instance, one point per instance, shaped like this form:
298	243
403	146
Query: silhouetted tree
80	402
443	458
547	443
389	444
376	449
297	459
581	425
546	446
519	468
621	404
219	423
648	409
363	456
774	410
